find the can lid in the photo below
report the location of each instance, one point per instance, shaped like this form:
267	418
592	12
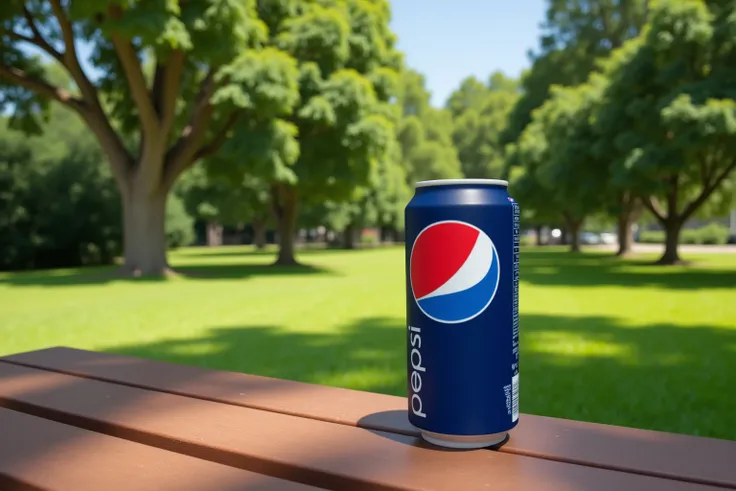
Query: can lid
449	182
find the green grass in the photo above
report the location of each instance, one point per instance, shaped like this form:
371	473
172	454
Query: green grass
603	340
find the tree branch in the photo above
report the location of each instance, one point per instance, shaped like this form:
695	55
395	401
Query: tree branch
219	139
67	31
276	207
165	93
708	189
38	42
120	159
136	82
71	61
96	121
42	88
138	90
182	153
651	204
17	36
37	39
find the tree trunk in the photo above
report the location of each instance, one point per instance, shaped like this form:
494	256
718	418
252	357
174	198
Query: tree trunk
625	234
214	234
349	236
671	241
575	235
144	233
631	209
259	233
286	211
538	231
384	234
672	222
564	236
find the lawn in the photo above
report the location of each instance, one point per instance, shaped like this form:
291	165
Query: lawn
603	340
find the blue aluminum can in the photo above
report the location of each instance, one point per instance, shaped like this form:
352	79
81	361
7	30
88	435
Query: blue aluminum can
462	276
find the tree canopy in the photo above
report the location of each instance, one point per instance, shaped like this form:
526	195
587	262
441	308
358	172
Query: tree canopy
481	117
301	113
342	125
668	116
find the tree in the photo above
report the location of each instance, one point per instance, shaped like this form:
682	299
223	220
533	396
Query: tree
555	150
480	120
525	188
379	204
347	74
412	94
575	35
174	78
60	207
669	115
81	225
424	134
471	94
221	201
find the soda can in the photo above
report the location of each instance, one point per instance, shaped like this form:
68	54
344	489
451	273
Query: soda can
462	292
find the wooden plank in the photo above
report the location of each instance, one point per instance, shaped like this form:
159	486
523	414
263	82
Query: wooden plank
695	459
299	449
38	454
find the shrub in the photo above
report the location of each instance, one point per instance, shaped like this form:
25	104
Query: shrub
526	240
710	234
690	236
179	225
651	236
61	213
59	205
714	233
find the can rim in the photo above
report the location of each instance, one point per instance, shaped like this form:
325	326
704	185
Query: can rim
449	182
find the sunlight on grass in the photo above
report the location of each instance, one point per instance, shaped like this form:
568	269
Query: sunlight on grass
362	379
568	346
197	349
605	340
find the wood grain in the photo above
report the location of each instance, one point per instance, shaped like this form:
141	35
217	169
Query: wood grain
38	454
299	449
694	459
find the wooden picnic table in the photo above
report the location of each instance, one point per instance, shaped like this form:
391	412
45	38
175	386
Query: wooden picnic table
81	420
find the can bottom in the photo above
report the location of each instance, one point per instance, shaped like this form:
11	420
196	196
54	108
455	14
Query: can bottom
463	441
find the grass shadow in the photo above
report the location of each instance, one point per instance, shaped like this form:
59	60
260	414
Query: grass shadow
601	269
662	377
245	251
225	251
364	355
102	276
242	271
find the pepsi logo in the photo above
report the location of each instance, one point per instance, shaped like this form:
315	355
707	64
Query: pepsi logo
454	271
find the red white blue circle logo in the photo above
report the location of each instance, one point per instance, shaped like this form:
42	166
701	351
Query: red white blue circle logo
453	271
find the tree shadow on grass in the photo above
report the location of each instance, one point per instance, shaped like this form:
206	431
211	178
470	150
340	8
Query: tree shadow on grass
366	355
224	251
245	251
599	269
102	276
238	271
663	377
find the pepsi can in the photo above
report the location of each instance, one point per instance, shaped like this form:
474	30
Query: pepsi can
462	275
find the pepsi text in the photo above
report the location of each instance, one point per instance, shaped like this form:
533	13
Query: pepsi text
415	338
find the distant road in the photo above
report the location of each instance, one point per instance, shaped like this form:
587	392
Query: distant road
684	248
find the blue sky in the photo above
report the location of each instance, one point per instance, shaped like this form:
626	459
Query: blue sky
448	40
